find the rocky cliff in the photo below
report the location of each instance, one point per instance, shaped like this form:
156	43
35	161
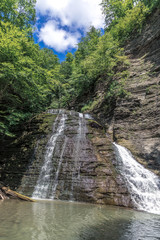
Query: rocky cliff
134	120
83	161
82	165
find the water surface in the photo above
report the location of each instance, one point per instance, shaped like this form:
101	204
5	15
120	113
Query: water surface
56	220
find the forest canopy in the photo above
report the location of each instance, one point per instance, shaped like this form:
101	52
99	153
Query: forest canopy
98	56
32	79
26	73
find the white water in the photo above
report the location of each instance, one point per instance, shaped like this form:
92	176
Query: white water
81	136
142	184
43	183
54	188
88	116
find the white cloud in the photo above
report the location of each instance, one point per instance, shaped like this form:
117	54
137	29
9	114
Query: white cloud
82	13
75	14
56	38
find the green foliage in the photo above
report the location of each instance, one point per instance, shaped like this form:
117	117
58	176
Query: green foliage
131	22
25	77
86	107
115	9
100	63
125	17
87	45
127	11
31	79
101	57
151	4
66	66
21	13
47	59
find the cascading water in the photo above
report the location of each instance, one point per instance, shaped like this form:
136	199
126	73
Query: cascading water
66	165
54	187
142	184
56	162
43	183
81	135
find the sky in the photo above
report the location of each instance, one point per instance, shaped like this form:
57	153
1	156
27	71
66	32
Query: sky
62	23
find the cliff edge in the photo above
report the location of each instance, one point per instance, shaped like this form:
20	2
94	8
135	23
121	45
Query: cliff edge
134	120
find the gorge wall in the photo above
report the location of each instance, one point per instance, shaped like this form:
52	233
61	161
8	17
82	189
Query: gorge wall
81	165
134	121
84	167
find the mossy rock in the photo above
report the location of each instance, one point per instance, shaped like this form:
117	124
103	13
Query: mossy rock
95	124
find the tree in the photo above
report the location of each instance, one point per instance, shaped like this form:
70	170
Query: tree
87	44
115	9
19	12
47	59
25	86
66	66
151	3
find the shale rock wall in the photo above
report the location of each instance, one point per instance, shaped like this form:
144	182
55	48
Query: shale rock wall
134	120
16	154
82	166
137	118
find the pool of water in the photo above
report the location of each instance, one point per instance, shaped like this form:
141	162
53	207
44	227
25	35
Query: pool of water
56	220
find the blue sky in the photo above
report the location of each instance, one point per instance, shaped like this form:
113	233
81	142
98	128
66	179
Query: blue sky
61	23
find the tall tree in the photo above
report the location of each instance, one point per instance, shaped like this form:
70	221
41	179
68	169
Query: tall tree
19	12
48	59
88	44
66	66
25	78
115	9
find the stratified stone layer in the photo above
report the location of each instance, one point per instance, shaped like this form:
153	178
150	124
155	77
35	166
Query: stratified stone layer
83	161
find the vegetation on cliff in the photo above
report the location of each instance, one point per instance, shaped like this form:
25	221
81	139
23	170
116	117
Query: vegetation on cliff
99	59
32	79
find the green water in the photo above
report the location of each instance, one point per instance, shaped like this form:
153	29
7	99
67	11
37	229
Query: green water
55	220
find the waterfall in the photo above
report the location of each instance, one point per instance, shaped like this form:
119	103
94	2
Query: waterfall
44	182
54	187
81	135
142	184
63	156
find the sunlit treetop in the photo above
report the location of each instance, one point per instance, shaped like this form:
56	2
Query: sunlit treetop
19	12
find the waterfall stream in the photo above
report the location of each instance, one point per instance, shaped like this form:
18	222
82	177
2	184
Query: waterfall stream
61	143
54	187
64	166
42	187
142	184
81	136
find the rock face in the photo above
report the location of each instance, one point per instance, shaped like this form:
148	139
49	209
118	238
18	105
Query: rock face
17	154
137	118
77	153
79	158
135	122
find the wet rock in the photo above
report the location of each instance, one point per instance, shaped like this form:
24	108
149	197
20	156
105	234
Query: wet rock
81	166
133	121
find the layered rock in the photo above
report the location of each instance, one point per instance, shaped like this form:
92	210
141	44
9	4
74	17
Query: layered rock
82	165
137	117
16	154
134	120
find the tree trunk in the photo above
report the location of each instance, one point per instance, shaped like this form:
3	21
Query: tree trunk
3	195
6	193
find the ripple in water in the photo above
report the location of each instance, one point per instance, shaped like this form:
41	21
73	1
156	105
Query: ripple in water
55	220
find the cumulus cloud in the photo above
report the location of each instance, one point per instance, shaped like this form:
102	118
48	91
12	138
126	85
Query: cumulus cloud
57	38
74	14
